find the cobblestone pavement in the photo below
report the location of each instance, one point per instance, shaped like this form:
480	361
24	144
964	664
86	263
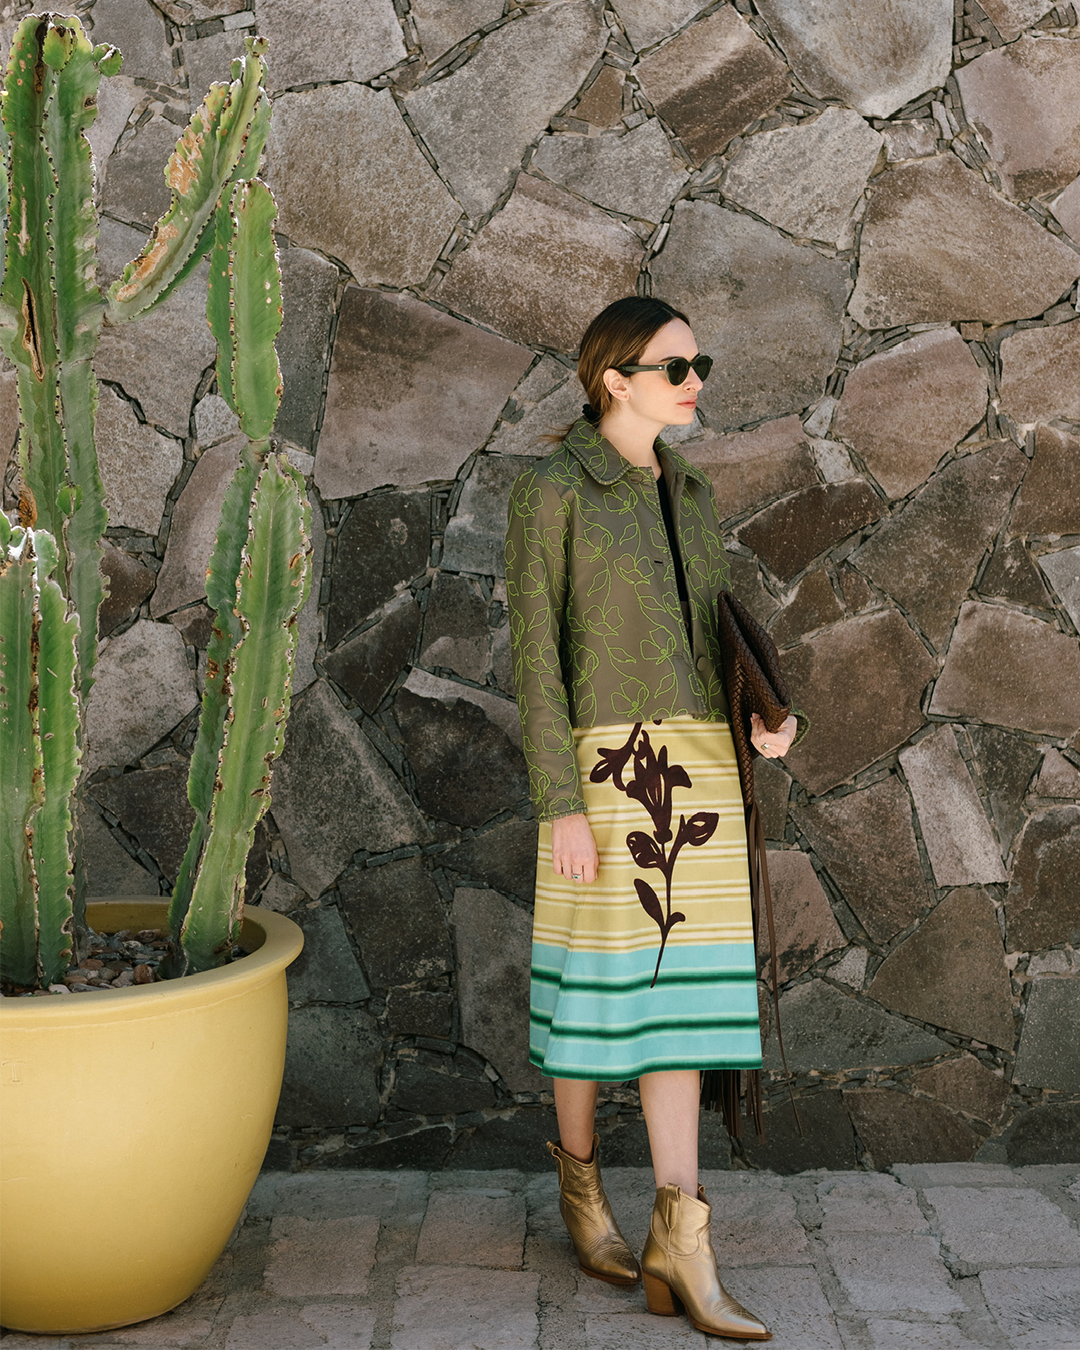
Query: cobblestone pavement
927	1257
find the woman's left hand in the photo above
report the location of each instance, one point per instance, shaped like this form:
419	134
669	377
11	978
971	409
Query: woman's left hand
771	744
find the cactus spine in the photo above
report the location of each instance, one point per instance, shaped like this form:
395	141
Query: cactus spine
51	312
39	746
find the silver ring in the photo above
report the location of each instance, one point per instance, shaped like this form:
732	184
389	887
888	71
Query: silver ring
764	745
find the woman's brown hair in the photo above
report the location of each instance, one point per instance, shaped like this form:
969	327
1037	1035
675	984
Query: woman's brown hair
616	337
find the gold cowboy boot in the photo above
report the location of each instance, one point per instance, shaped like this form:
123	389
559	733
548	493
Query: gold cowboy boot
601	1249
679	1267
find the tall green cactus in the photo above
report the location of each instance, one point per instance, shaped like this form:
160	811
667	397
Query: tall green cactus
39	748
51	312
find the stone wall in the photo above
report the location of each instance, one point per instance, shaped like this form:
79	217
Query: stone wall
872	214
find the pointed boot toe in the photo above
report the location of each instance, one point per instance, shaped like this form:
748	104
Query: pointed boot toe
601	1249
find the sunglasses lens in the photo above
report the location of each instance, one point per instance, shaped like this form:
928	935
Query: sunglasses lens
678	369
702	366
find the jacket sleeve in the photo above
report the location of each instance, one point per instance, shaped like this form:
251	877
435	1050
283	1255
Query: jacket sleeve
537	582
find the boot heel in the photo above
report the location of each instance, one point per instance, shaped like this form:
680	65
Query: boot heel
658	1297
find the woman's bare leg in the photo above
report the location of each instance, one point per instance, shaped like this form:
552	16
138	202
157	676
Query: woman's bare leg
670	1101
575	1107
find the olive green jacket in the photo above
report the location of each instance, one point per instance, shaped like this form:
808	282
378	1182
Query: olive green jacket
595	624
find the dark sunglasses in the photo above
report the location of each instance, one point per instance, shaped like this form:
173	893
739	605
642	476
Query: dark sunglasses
677	368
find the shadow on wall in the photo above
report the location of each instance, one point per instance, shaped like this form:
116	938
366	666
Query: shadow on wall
874	223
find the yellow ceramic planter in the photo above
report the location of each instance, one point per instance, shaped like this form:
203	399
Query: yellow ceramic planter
133	1123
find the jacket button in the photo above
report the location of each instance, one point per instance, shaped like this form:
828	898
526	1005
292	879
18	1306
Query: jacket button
703	664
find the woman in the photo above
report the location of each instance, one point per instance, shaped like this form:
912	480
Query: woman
643	960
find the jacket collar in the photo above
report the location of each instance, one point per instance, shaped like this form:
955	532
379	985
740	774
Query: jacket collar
602	462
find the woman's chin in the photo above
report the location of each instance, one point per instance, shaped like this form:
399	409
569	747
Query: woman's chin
683	417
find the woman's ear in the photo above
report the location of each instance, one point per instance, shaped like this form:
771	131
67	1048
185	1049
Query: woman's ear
616	384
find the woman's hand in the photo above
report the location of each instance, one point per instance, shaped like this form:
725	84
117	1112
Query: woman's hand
573	849
772	744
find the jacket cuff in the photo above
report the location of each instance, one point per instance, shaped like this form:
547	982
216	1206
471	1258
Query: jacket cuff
562	806
804	725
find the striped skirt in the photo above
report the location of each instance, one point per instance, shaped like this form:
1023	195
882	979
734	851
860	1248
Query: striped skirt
652	966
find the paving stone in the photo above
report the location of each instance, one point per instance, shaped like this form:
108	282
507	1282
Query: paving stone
601	104
395	359
137	27
851	968
441	24
110	869
750	468
887	1333
1040	374
921	1175
633	172
826	1030
772	790
1012	574
894	1127
135	189
447	1085
546	401
868	1203
647	21
1058	777
214	419
1042	508
152	806
455	1307
455	627
390	214
1046	1134
327	1258
1036	1309
939	244
957	834
867	842
1011	17
503	712
1006	762
369	664
806	179
791	1303
333	792
331	1069
872	57
195	521
1001	1226
128	584
827	1139
516	1141
484	1230
330	40
812	606
506	278
910	139
1042	907
138	466
326	970
855	720
892	1272
142	688
492	938
806	929
280	895
1046	1056
906	407
1023	100
397	916
1065	208
965	1085
503	857
159	360
1005	667
450	745
117	99
473	539
418	1012
712	81
752	1229
791	533
383	544
767	311
209	60
638	1331
317	1195
309	289
1063	569
951	971
479	121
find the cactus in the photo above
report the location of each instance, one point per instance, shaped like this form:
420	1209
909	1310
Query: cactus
39	747
51	312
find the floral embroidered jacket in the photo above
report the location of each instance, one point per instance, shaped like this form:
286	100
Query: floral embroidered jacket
596	628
